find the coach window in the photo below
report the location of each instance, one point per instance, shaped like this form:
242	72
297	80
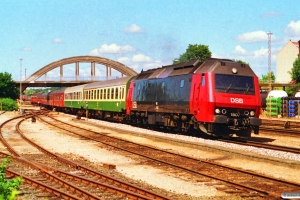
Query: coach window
203	80
121	93
112	93
101	92
104	93
117	93
107	93
181	83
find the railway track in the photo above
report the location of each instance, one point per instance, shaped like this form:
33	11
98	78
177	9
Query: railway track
262	145
284	127
55	176
229	179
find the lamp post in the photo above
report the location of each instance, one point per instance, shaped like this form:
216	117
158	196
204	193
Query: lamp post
21	85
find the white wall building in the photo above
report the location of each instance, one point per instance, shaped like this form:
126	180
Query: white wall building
284	61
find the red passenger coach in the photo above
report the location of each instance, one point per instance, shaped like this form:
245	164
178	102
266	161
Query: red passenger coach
34	99
57	98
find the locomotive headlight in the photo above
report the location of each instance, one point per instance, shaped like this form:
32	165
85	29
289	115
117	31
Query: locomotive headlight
246	112
252	113
217	111
224	111
234	70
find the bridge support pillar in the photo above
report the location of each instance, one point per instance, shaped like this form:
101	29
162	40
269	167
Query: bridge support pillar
108	72
93	71
61	72
77	71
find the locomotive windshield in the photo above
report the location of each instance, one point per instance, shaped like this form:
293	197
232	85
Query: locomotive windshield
226	83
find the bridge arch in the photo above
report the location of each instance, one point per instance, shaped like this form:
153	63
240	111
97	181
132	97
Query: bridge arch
123	69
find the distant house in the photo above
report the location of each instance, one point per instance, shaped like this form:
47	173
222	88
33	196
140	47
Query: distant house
284	61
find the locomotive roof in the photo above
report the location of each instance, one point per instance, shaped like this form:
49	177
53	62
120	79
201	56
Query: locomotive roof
224	66
215	65
108	83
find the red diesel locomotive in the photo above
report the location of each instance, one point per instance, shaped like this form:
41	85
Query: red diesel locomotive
218	96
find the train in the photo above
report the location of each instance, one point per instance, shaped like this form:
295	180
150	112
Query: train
217	97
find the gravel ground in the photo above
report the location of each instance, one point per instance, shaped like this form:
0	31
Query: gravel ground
64	144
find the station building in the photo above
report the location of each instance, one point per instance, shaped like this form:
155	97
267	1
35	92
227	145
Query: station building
284	61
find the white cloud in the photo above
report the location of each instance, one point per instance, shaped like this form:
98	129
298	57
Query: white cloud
140	62
26	49
239	50
252	37
112	49
271	14
133	28
141	58
57	40
94	52
124	60
293	29
262	52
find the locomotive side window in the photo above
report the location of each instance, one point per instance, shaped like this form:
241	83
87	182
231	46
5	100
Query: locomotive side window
163	87
181	83
139	91
203	80
234	84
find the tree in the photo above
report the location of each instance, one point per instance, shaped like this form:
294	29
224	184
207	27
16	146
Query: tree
8	87
265	78
193	52
8	104
295	73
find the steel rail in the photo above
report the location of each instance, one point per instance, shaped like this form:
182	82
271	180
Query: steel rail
127	189
177	155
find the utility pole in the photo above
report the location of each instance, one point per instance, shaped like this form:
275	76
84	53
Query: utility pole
21	85
269	58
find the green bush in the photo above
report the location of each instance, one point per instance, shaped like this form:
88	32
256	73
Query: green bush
8	104
8	188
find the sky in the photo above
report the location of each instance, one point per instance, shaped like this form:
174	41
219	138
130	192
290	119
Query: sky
141	34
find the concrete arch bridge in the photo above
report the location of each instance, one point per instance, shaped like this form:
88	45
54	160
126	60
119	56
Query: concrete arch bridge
40	78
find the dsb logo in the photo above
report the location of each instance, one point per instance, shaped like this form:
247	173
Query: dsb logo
236	100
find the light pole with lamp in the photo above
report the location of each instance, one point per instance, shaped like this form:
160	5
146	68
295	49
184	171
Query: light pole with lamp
21	85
